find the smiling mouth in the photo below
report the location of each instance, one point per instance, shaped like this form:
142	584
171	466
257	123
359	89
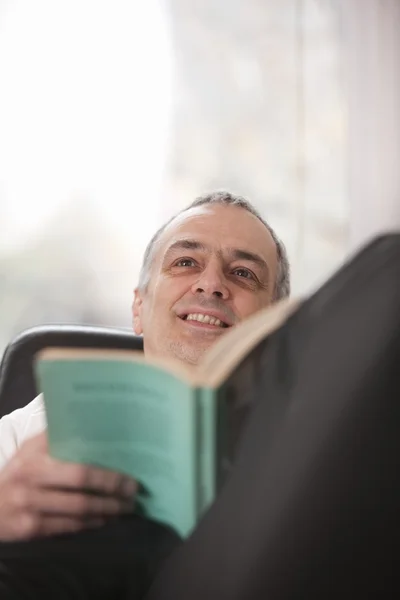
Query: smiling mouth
206	319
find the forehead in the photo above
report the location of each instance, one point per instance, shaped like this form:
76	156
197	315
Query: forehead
219	227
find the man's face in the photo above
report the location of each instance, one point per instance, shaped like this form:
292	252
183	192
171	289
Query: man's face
212	266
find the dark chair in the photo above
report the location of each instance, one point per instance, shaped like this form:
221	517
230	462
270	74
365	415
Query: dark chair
17	383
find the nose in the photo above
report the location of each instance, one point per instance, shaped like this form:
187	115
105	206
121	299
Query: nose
211	283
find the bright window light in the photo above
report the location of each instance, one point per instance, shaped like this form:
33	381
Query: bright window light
85	108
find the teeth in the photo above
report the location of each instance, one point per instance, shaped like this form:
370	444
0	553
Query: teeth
204	319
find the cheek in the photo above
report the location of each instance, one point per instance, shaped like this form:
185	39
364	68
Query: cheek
170	290
249	304
158	306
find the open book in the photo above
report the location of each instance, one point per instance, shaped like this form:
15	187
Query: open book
172	427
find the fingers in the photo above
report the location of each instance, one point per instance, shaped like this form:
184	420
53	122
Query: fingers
34	464
51	473
72	504
41	496
30	525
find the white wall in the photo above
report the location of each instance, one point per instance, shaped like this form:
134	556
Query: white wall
371	58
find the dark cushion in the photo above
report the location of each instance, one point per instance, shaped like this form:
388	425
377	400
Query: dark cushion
311	509
17	384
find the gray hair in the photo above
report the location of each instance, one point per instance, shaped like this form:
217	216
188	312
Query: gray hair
282	283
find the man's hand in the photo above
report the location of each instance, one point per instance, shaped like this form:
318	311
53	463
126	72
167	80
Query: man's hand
41	496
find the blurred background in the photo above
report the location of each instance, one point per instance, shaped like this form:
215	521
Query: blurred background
115	114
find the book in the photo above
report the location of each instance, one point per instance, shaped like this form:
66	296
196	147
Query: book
173	428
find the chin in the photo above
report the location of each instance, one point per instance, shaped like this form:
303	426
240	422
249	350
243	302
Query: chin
188	353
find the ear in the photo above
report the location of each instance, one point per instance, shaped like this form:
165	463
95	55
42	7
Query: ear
137	312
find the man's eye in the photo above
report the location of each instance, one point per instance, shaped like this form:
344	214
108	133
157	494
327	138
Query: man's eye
185	262
245	273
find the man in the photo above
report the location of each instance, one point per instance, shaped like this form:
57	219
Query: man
214	264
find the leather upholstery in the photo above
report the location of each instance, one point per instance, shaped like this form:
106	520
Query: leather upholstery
17	384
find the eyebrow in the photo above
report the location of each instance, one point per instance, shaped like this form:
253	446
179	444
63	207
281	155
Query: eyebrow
239	254
186	245
235	253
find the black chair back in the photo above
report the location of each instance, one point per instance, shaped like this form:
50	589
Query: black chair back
17	382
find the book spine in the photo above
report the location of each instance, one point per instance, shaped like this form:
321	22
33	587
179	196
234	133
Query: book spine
198	450
223	454
206	447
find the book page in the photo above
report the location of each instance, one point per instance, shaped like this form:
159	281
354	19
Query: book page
233	346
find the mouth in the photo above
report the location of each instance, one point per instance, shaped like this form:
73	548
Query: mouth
204	319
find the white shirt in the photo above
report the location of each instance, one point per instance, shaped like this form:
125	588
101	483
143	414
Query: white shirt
20	425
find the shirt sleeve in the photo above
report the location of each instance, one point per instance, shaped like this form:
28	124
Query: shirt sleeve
8	440
18	426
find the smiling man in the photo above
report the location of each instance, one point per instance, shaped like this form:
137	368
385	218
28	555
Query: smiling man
211	266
